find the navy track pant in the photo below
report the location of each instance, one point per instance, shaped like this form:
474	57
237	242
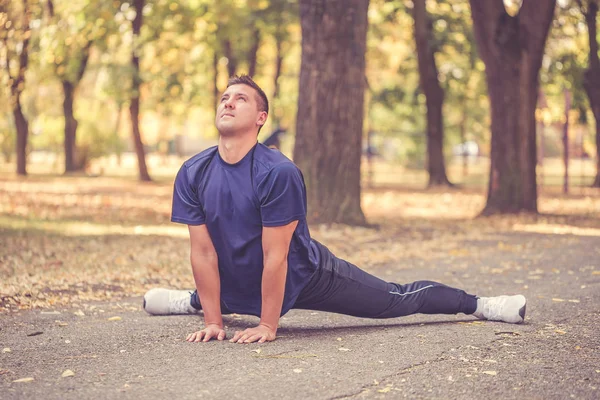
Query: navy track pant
340	287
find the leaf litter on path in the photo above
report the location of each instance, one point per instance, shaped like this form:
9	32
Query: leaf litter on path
73	241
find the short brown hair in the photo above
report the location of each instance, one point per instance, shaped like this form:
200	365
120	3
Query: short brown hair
263	102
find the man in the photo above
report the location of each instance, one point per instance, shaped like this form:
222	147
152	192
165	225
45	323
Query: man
251	251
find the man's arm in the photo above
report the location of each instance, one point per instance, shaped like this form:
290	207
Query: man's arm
205	267
276	246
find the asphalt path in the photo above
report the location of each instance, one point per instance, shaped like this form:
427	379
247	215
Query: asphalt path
114	350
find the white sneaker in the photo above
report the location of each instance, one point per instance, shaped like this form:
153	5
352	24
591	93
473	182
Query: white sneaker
160	301
509	309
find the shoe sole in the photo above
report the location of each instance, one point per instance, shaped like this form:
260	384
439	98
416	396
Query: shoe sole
522	312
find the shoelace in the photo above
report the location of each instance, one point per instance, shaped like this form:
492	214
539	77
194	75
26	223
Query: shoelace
180	305
493	308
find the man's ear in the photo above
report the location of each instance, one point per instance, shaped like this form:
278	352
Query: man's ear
262	118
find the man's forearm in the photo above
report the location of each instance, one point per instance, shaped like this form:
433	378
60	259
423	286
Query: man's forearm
273	289
208	284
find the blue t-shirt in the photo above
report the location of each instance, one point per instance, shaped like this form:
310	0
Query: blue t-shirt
235	201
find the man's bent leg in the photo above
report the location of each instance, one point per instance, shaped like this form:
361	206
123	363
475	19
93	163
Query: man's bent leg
341	287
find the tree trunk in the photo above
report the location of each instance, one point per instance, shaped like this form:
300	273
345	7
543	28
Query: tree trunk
231	60
134	104
70	126
215	66
463	138
512	49
70	145
253	51
118	149
278	65
434	95
22	135
329	125
16	88
591	81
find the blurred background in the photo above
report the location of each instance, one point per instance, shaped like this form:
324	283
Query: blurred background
129	88
412	117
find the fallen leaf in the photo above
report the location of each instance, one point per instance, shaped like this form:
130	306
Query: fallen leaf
285	356
79	313
492	373
343	349
6	350
114	318
23	380
385	390
339	339
560	331
557	300
68	373
595	272
574	301
297	370
257	351
62	324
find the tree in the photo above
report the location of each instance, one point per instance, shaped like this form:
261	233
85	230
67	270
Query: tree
329	123
591	79
434	94
69	55
16	36
512	47
134	102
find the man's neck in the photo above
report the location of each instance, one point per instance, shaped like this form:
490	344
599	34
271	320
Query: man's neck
233	148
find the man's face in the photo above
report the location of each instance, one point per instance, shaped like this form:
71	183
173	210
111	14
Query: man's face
238	111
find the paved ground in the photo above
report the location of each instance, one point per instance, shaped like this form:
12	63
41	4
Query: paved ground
555	354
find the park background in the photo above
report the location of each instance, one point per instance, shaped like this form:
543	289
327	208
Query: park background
450	140
384	105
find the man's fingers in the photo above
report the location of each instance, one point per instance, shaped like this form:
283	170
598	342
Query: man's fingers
263	339
236	337
253	338
199	336
221	335
207	336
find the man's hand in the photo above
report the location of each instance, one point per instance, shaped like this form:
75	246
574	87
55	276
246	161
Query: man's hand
260	334
209	332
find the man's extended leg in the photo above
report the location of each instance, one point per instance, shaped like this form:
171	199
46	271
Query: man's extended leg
341	287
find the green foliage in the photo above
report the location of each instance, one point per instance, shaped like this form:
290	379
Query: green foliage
180	40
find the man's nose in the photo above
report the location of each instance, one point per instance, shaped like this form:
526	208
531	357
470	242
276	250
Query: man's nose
229	103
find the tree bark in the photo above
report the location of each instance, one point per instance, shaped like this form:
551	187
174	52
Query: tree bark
69	88
591	80
278	67
512	49
231	60
216	94
17	84
134	104
434	95
329	124
252	53
70	126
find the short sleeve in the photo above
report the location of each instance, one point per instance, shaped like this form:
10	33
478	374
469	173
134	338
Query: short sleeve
187	208
282	195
